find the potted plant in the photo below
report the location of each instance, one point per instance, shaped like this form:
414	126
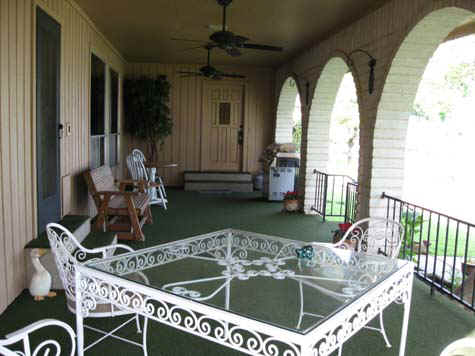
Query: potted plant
147	114
291	201
469	266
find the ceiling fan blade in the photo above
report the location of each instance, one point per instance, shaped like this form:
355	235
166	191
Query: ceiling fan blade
262	47
240	39
187	40
233	51
188	73
229	75
191	48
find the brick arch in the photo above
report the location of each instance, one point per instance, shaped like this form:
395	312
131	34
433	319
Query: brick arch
397	98
317	133
285	108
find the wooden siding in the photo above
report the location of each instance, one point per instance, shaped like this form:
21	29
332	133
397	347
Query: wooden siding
184	145
17	123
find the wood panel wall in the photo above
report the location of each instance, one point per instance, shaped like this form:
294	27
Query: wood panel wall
184	145
17	123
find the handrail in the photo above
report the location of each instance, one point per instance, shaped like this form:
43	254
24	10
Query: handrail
384	195
333	193
441	246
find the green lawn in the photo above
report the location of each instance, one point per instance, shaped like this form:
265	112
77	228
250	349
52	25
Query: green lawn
443	238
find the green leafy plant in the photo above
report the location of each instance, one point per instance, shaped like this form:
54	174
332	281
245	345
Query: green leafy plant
147	112
412	222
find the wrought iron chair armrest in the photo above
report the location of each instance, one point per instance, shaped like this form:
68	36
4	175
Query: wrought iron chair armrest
23	333
104	249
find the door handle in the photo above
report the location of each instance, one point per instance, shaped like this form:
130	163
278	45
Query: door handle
60	130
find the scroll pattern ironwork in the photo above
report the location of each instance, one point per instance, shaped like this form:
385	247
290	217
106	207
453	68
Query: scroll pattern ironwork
191	320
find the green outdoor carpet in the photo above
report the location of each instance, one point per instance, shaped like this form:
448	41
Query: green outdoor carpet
435	321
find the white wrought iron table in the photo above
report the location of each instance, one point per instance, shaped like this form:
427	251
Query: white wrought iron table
247	291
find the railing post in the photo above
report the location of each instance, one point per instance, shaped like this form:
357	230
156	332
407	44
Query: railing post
325	190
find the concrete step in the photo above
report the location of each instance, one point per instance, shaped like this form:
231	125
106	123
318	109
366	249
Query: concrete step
222	181
79	225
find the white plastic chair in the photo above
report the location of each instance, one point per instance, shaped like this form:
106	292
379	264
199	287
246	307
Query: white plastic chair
136	165
48	346
68	253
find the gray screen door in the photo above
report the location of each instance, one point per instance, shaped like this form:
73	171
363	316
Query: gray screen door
48	62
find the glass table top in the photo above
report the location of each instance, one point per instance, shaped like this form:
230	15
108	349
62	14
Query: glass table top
282	282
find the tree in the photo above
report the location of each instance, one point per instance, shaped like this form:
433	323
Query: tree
461	78
147	114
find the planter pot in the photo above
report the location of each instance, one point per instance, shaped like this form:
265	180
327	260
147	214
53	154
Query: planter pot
291	205
468	268
424	247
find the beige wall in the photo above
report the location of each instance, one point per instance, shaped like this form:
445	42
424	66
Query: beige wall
183	146
17	123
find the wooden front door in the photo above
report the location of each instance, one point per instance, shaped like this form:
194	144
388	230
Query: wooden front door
222	127
48	62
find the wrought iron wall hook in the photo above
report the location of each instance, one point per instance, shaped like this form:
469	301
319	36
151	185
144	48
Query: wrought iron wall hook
371	64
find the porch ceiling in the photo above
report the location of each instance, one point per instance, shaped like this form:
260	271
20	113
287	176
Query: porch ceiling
141	29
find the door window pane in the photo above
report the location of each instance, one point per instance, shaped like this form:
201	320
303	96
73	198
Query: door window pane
224	113
98	95
114	123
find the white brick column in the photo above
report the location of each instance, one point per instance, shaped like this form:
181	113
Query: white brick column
285	110
316	141
395	105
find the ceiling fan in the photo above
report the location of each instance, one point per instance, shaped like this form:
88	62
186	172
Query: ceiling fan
208	71
231	42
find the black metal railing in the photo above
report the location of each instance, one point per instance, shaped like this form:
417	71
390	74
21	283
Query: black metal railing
351	202
442	248
333	193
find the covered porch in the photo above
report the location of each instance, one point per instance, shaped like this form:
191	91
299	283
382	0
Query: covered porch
63	112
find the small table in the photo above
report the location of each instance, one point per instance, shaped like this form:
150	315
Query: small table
246	291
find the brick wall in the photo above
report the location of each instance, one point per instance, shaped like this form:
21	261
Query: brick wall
402	35
285	110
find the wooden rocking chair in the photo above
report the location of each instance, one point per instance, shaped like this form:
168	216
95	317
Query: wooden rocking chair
117	209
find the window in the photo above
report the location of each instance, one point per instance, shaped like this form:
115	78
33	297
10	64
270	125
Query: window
98	96
114	119
224	113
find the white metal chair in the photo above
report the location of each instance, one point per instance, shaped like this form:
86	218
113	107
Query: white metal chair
374	236
68	253
44	348
136	165
460	347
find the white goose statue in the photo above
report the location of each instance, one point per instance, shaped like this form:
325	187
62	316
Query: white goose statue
40	284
